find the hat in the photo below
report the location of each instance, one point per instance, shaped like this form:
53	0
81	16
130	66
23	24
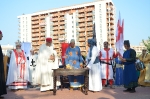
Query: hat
91	42
0	32
48	39
18	43
72	41
126	42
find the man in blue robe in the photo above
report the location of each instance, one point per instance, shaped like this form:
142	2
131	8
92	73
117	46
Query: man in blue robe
74	59
130	76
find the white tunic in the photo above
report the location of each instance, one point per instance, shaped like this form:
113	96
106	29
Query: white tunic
44	72
106	70
32	67
95	83
14	79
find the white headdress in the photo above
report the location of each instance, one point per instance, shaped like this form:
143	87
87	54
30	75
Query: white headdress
18	43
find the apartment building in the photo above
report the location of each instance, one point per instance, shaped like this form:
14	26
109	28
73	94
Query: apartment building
139	48
24	28
75	22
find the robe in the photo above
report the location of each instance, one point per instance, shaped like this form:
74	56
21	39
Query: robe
130	77
2	76
18	75
95	83
144	78
119	72
74	54
32	67
106	55
44	72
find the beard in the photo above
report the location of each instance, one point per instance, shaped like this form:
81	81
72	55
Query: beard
18	50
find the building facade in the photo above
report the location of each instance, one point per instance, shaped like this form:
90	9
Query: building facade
6	48
24	28
75	22
139	48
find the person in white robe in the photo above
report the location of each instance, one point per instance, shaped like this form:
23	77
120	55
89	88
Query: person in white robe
47	60
32	67
18	70
93	64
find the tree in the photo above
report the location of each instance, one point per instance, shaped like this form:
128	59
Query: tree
147	44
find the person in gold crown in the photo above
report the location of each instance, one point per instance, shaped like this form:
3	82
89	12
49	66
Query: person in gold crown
18	70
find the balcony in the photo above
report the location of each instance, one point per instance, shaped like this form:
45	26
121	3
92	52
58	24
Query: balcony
55	37
82	39
82	30
35	22
89	14
42	34
55	23
34	18
35	26
90	24
81	15
42	38
62	14
89	9
41	17
43	30
81	25
35	39
62	27
81	20
82	44
55	41
62	32
90	29
54	19
82	10
61	22
35	35
35	30
82	35
61	18
55	28
83	48
89	19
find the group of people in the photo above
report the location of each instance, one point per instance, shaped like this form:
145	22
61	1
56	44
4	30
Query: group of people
37	69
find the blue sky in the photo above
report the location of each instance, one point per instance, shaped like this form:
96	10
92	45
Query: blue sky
136	14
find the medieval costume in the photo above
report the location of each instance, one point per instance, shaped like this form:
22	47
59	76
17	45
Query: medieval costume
144	78
74	59
129	74
2	76
93	64
18	70
44	72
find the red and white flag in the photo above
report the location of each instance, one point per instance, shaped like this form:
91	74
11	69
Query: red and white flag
119	36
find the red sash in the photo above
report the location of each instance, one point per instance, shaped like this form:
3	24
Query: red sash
22	57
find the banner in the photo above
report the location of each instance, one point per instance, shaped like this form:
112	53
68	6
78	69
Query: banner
64	46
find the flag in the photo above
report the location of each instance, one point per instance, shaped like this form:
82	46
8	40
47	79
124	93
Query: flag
119	36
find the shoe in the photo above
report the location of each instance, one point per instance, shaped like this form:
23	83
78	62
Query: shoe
127	90
132	91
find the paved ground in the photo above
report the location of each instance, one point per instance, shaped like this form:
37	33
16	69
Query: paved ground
117	93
